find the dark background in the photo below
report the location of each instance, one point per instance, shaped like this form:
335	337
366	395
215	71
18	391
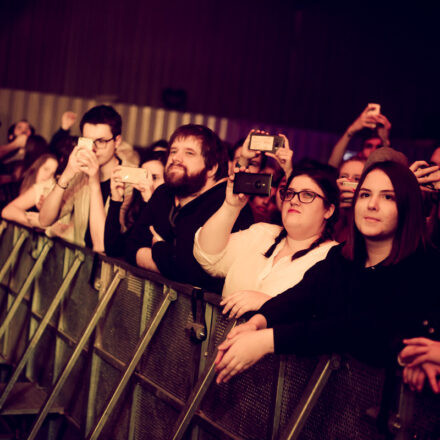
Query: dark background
312	65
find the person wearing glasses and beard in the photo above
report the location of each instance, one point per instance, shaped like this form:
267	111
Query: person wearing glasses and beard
266	259
76	207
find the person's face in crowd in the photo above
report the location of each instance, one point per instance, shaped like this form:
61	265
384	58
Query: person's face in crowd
350	171
47	170
107	144
155	169
436	157
22	127
185	170
375	211
264	208
305	220
254	163
281	187
371	145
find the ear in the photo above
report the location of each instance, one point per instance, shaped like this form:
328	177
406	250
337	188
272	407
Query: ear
211	173
118	140
329	212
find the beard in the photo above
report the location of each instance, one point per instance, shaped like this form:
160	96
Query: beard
182	184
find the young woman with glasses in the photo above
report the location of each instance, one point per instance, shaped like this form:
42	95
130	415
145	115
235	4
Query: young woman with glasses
366	297
266	259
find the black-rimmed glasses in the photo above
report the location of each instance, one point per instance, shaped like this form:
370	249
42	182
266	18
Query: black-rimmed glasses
304	196
100	144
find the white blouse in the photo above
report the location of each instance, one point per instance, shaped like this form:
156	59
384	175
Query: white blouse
245	267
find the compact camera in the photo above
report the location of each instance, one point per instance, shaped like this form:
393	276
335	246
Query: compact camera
265	142
252	184
133	175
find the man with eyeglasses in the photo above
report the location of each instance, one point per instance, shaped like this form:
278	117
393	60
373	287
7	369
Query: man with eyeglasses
79	199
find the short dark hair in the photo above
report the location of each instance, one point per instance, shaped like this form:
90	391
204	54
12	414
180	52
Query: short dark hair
213	150
11	129
103	114
411	225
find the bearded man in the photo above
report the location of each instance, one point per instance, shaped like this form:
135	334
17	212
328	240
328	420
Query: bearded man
194	189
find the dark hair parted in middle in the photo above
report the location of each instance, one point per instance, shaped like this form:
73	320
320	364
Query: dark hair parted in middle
325	177
103	114
411	226
213	150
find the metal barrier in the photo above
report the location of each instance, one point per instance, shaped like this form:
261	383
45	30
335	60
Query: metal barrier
116	353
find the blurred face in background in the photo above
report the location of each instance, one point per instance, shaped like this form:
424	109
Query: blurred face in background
155	169
47	170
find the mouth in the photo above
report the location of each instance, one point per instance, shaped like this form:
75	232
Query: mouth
372	219
293	210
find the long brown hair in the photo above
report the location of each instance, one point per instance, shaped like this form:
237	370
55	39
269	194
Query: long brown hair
30	175
411	225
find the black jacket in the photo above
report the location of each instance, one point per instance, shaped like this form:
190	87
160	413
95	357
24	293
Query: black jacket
174	256
340	306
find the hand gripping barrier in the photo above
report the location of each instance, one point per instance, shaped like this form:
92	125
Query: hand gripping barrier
110	348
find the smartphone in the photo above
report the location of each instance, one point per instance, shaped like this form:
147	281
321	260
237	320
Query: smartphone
86	143
257	184
133	175
265	142
373	108
350	184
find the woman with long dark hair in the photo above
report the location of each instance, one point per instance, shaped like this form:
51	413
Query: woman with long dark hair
366	297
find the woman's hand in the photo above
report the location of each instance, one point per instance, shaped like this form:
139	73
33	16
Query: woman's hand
117	187
241	352
33	219
246	154
235	201
419	350
145	187
415	376
425	175
243	301
283	156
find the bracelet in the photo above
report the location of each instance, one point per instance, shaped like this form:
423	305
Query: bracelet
62	187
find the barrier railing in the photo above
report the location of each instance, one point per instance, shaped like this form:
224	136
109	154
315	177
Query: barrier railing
120	353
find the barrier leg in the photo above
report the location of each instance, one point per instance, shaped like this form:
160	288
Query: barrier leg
13	255
40	330
24	288
77	352
197	394
311	394
141	347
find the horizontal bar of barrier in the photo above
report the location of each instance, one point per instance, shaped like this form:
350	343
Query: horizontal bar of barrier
140	375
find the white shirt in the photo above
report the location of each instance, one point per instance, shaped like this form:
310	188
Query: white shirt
245	267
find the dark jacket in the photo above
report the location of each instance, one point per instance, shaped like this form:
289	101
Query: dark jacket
341	306
177	226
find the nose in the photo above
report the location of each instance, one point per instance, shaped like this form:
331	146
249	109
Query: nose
373	202
292	200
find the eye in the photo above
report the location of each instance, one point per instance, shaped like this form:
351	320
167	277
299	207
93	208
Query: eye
343	176
308	194
364	195
389	197
356	178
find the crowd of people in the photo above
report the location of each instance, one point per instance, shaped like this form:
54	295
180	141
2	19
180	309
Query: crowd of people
335	257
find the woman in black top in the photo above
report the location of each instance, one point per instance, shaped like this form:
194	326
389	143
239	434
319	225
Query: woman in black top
369	294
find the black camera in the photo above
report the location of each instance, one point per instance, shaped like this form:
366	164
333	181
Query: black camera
252	183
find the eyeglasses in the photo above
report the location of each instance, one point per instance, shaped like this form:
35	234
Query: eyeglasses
304	196
100	144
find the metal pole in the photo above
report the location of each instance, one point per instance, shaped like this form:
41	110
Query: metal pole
141	346
43	324
13	255
77	352
197	394
311	395
24	288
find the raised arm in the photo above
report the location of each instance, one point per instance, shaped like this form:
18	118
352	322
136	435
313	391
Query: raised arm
362	121
50	209
215	233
